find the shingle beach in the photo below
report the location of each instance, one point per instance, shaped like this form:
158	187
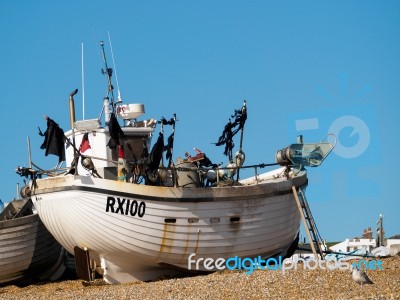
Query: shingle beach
293	284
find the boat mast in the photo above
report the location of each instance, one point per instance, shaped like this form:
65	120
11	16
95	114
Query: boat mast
108	71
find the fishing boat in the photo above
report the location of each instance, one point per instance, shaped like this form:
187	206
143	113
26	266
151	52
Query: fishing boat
129	214
28	252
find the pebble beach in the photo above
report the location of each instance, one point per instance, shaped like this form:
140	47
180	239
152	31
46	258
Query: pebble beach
268	284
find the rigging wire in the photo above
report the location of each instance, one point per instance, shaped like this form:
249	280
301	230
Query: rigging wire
115	68
97	49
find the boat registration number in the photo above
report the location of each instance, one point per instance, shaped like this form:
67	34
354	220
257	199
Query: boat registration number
125	207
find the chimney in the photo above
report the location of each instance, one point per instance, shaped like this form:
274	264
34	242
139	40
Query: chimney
367	233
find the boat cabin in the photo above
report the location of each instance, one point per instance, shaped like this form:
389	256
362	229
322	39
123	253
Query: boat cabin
91	139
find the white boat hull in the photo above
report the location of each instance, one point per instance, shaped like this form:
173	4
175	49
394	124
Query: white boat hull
28	252
139	232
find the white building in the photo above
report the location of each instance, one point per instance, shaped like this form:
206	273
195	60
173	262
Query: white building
394	246
369	244
354	244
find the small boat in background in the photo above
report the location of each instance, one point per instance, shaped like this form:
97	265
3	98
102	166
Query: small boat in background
28	252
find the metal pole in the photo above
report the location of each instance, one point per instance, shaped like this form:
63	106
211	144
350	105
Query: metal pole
381	230
29	152
72	121
241	137
172	150
72	108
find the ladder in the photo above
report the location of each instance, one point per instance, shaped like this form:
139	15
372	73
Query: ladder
308	221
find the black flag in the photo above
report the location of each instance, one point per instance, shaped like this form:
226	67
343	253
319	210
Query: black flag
231	128
227	139
170	146
156	153
53	140
116	132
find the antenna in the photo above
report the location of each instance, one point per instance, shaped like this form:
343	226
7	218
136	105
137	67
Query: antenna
115	68
83	88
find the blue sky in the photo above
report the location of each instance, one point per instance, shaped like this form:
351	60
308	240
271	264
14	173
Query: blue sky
303	67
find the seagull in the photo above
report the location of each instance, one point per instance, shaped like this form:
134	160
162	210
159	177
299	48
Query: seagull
360	277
